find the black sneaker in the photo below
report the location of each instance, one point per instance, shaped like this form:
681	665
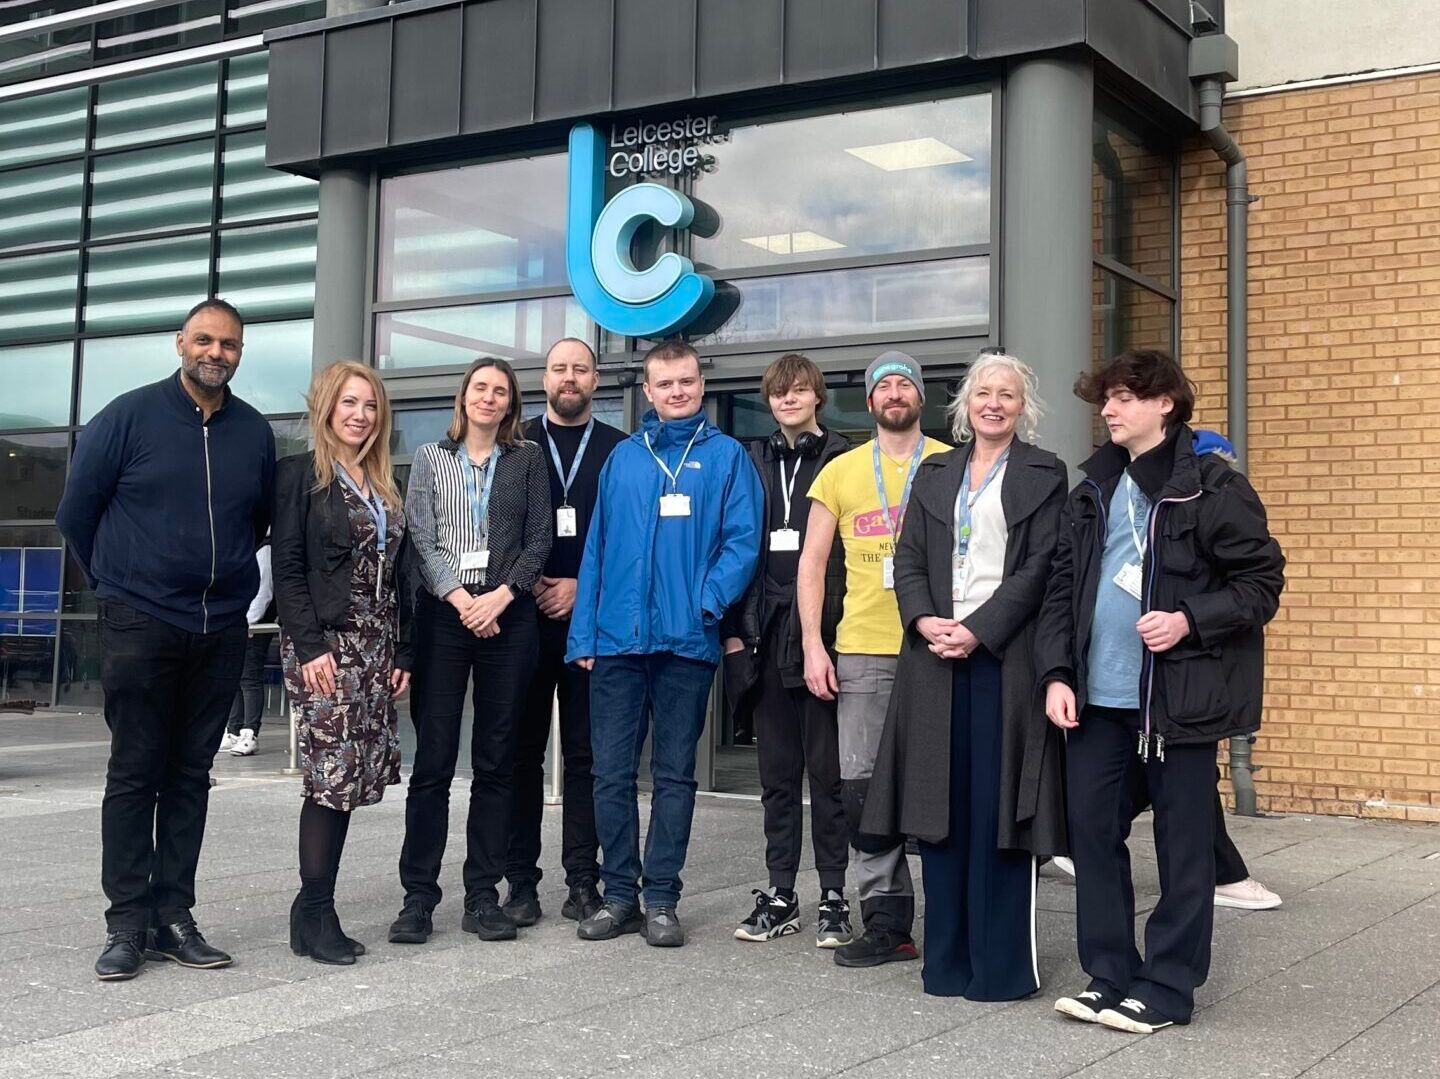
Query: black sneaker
522	905
832	921
1136	1017
774	916
582	902
662	928
610	921
413	926
877	946
487	921
182	942
123	956
1087	1006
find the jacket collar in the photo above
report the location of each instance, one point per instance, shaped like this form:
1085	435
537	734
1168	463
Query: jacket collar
182	398
666	433
1169	470
1029	478
831	444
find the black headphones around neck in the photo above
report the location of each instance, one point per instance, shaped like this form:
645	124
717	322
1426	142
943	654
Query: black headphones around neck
807	444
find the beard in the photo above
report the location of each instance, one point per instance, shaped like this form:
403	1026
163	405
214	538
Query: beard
211	377
893	422
568	408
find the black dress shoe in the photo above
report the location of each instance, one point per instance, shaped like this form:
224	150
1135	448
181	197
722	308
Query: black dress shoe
182	942
582	902
522	905
123	956
413	926
487	921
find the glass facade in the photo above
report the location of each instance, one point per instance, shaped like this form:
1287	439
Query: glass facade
122	203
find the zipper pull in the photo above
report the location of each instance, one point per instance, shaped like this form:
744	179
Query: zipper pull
1160	740
1140	749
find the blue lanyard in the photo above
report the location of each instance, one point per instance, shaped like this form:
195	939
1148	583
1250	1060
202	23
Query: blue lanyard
567	480
905	494
375	504
674	477
479	503
965	503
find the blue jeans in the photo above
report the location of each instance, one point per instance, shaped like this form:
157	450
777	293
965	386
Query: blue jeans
626	692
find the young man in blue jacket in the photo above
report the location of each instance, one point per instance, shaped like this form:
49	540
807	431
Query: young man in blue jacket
673	542
168	497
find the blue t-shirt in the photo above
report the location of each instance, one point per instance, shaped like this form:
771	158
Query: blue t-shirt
1113	680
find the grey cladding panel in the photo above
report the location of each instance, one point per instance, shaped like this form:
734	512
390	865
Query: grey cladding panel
740	45
1143	44
654	51
357	88
1011	27
293	100
425	87
826	38
498	86
917	31
1178	11
573	58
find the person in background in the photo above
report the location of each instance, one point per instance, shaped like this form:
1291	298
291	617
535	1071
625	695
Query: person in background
341	558
242	733
577	445
479	509
169	494
968	763
673	544
863	495
795	729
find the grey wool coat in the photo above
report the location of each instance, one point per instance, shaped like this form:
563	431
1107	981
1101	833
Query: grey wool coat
910	790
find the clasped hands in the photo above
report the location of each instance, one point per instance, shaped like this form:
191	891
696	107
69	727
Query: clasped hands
481	614
948	638
320	675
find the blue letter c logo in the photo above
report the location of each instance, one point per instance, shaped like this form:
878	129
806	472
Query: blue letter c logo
651	302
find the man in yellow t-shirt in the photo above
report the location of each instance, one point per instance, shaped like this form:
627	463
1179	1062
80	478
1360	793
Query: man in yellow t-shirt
864	493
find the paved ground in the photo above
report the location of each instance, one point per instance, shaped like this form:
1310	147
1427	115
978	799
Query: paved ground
1343	981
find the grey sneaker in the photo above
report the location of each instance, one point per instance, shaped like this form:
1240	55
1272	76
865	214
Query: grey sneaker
663	928
609	922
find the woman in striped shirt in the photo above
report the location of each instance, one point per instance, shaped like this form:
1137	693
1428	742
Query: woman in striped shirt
479	510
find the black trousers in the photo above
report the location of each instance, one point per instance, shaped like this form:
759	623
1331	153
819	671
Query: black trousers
249	704
1230	867
578	846
796	734
1100	760
448	659
167	693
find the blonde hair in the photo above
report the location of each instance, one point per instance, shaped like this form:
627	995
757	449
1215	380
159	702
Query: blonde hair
374	455
1030	413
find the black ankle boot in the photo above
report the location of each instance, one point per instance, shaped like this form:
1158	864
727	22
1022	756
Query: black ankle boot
319	936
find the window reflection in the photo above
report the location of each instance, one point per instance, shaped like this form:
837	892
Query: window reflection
492	227
111	365
41	206
245	82
79	683
906	297
1133	197
47	53
275	366
166	27
32	476
133	286
37	386
249	190
168	187
845	412
1125	315
522	330
270	270
49	125
37	295
866	182
160	105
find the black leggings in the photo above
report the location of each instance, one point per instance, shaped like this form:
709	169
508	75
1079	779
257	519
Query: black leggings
322	838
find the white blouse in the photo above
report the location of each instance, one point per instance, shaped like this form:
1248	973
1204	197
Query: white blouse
985	558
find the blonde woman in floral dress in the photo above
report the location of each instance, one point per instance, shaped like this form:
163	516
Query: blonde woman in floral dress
340	557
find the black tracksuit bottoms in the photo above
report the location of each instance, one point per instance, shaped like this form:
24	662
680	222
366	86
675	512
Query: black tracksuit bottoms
1100	759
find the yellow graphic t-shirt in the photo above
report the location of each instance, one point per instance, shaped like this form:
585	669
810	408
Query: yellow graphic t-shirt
870	624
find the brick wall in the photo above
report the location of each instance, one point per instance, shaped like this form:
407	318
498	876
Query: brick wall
1344	428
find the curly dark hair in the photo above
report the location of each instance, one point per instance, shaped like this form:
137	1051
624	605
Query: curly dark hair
1147	373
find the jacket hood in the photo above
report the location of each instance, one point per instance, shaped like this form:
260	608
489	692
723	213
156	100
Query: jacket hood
1170	469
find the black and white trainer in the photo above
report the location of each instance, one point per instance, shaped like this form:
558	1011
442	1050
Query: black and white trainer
1086	1006
1135	1017
775	915
832	921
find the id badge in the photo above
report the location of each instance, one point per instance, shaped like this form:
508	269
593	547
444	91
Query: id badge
565	521
1130	579
474	560
957	579
785	539
887	573
676	505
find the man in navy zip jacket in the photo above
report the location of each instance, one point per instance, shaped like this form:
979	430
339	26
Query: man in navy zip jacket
168	497
1151	643
673	543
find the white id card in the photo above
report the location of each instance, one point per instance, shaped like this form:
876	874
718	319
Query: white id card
887	577
957	579
474	560
1130	579
565	521
785	539
676	505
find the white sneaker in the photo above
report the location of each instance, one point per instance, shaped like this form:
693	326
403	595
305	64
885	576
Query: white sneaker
1248	894
1065	865
228	742
245	743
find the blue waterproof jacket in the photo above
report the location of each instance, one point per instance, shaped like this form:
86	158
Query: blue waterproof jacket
651	584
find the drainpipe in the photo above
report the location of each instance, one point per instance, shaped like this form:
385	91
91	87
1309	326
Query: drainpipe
1213	62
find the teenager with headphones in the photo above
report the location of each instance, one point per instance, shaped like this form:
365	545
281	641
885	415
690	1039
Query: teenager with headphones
765	667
